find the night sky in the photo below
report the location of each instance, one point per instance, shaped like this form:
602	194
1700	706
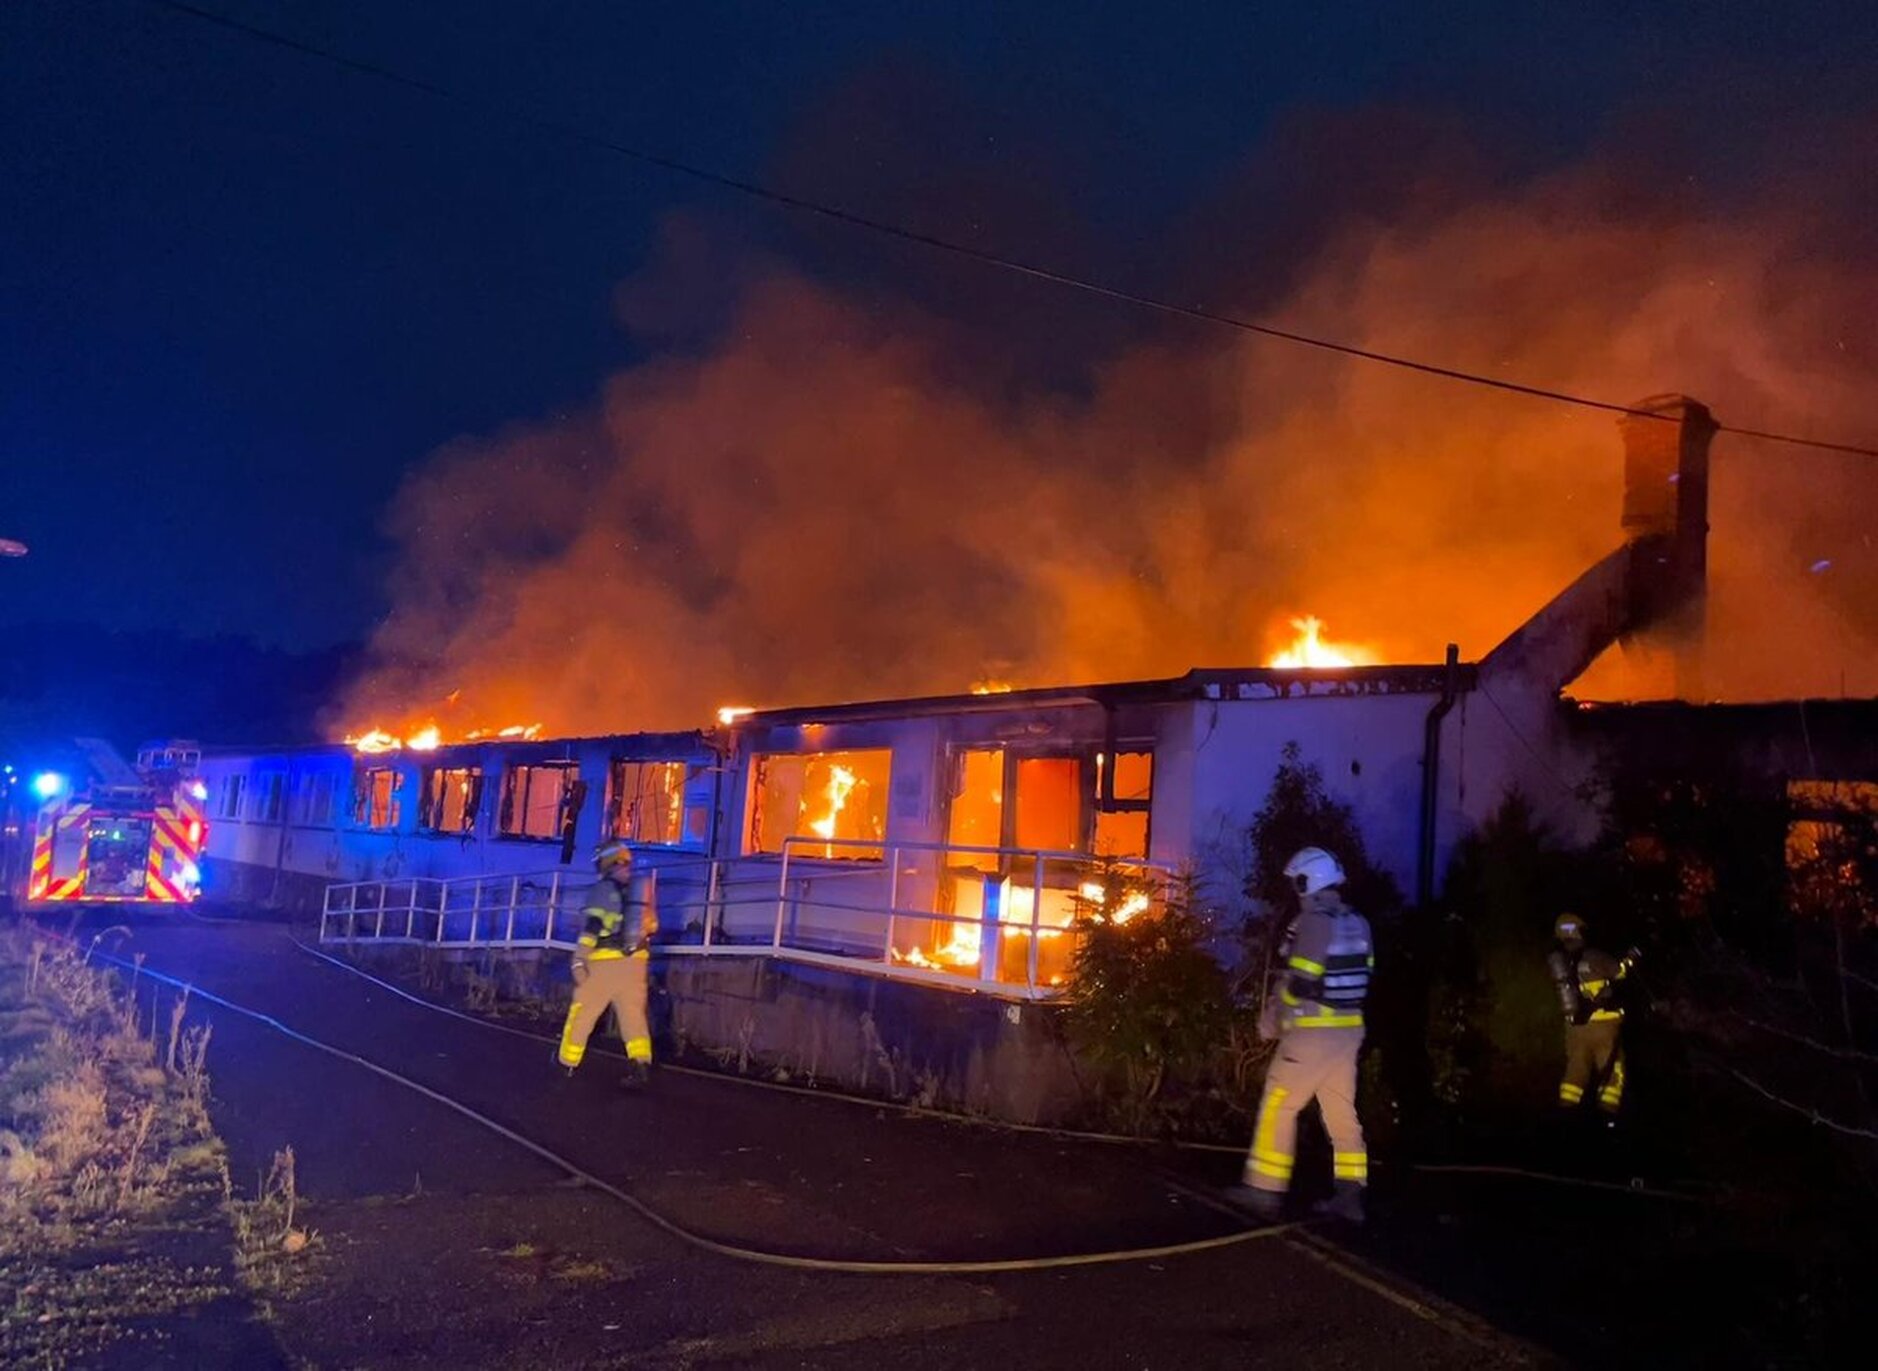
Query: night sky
243	291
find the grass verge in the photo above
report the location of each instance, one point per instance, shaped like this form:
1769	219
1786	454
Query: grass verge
117	1234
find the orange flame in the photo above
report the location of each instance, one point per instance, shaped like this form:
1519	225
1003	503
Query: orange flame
1308	648
841	783
729	714
429	737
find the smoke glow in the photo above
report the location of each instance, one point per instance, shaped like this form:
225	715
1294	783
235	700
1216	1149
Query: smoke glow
829	505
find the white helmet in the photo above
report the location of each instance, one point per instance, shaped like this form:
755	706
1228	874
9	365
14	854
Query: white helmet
1312	869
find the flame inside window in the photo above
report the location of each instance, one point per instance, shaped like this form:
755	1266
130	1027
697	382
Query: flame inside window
838	798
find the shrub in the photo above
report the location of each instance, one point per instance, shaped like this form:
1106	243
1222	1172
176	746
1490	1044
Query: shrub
1147	1002
1493	1021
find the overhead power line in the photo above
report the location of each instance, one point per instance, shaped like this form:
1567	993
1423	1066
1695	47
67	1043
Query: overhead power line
984	256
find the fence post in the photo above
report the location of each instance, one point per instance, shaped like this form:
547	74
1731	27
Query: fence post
893	903
990	918
782	898
1036	928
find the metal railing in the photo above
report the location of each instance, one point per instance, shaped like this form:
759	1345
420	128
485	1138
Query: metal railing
965	917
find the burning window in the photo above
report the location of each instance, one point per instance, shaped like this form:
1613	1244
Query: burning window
1047	815
829	796
976	817
1124	796
1049	804
231	796
376	803
646	803
535	798
452	797
1832	850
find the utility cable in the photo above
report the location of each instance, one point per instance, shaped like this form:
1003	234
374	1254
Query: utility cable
982	256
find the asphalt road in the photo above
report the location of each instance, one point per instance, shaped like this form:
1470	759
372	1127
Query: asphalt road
440	1208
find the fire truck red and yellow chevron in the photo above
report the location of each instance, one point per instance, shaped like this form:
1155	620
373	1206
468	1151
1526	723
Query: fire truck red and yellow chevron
177	835
175	851
52	819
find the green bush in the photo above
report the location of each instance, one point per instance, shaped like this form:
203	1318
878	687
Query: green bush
1493	1025
1147	1002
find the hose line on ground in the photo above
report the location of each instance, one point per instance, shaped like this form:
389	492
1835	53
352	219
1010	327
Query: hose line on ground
679	1231
918	1111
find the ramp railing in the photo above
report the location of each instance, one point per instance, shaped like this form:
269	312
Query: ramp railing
1000	920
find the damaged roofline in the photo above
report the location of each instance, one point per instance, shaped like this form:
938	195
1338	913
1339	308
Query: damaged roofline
1202	683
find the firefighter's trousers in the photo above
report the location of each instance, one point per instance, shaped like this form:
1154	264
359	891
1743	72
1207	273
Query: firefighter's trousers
1594	1060
618	982
1311	1063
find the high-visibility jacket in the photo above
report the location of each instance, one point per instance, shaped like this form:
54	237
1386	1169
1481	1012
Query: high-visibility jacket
1587	984
613	928
1328	960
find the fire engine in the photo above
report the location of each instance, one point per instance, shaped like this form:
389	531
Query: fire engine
121	835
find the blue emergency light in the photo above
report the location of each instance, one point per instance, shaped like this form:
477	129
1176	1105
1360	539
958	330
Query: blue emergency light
48	784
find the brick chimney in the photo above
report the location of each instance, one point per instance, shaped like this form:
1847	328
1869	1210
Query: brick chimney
1666	517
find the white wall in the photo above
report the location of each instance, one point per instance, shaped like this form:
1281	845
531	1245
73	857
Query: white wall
1367	747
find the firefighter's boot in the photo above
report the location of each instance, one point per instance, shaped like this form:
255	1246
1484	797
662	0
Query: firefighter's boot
638	1076
1267	1206
1345	1203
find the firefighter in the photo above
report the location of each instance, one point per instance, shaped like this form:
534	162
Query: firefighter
610	967
1589	984
1318	1020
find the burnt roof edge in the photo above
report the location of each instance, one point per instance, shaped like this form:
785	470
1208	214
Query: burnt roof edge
1202	683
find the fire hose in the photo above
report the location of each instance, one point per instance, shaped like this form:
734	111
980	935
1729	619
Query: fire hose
1422	1305
653	1216
1633	1188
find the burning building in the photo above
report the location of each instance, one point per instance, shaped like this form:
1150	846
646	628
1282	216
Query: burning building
809	857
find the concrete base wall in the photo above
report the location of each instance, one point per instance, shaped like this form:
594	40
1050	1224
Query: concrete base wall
804	1025
821	1025
292	893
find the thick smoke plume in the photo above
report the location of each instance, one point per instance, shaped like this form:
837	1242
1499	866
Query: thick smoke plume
827	503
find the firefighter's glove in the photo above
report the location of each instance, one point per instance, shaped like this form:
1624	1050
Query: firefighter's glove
579	970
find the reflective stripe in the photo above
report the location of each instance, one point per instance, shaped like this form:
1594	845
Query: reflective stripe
571	1051
1305	964
605	954
588	940
1328	1021
1288	998
1605	1015
1268	1160
639	1049
1350	1166
1569	1093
